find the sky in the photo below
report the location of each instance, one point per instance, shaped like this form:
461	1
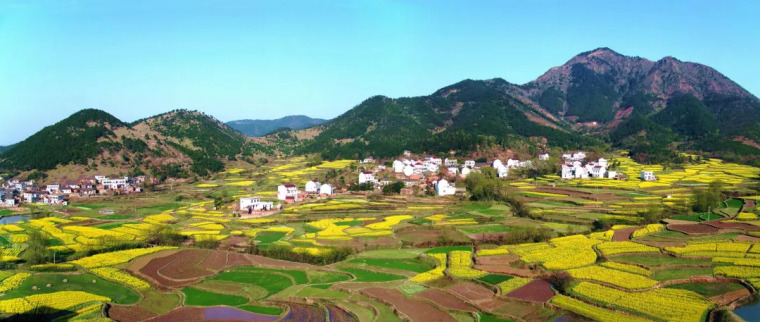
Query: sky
268	59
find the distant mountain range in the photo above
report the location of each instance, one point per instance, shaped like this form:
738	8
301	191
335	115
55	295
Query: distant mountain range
256	128
629	102
599	98
3	148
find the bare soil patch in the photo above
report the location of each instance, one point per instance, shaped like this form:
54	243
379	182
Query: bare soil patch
496	260
216	260
747	238
151	270
276	263
187	313
732	225
129	313
490	305
624	234
730	297
445	300
237	259
538	291
185	266
471	292
338	315
693	229
415	310
303	312
506	270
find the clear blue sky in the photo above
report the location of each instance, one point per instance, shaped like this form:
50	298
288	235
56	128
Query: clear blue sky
267	59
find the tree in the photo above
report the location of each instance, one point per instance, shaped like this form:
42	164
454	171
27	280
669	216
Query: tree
708	198
36	252
393	188
484	185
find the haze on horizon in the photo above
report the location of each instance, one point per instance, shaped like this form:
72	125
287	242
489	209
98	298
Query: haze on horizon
268	59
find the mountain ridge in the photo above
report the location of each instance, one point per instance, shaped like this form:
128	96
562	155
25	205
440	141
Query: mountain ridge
259	127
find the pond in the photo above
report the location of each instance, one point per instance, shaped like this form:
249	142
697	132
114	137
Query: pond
13	219
750	310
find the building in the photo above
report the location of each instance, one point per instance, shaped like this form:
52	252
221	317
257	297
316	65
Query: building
312	186
398	166
648	176
469	163
513	163
53	188
326	190
117	183
368	159
444	188
366	177
288	192
450	162
543	156
255	204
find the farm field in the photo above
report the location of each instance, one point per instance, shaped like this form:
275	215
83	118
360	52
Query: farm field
579	250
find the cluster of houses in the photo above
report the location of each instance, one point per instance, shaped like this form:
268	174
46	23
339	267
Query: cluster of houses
14	191
289	192
575	169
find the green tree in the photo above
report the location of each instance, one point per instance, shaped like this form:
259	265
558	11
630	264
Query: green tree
36	252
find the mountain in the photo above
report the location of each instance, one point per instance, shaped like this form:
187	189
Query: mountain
3	148
256	128
466	116
623	100
173	144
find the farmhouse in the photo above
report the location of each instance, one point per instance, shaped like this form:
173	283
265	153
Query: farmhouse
469	164
53	188
312	186
366	176
287	192
255	204
444	188
450	162
398	166
326	190
543	156
648	176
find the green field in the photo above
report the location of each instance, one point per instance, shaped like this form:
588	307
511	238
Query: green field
494	279
414	265
74	282
370	276
196	297
267	310
709	289
271	282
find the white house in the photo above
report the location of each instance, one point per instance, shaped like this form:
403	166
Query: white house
453	170
513	163
568	171
443	188
326	189
543	156
502	172
469	163
398	166
611	174
287	192
577	156
465	172
603	162
648	176
598	171
368	159
100	178
432	167
117	183
366	176
436	161
312	186
497	164
30	196
255	204
408	170
53	188
450	162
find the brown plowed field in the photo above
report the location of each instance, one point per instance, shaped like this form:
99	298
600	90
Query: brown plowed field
186	313
151	270
728	298
506	270
129	313
536	291
623	234
216	260
471	292
490	305
694	229
303	312
339	315
732	225
415	310
500	260
276	263
237	259
445	300
185	267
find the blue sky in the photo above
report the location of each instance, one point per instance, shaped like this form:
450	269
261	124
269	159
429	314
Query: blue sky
267	59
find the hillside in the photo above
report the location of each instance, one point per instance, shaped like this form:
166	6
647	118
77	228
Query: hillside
3	148
466	116
613	97
174	144
256	128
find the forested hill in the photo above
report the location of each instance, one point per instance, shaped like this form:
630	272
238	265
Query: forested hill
180	143
256	128
461	117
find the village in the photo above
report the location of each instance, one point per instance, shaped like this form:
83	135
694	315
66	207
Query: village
430	174
14	191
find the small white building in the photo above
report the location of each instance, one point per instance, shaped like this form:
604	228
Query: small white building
497	164
597	171
398	166
648	176
543	156
469	163
465	172
567	171
408	170
287	192
326	189
444	188
255	204
368	159
436	161
53	188
611	174
513	163
603	162
312	186
117	183
502	172
453	170
366	176
450	162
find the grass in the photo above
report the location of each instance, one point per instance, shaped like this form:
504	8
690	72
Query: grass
393	253
485	229
118	293
322	277
4	241
350	223
266	310
268	237
482	317
414	265
111	225
420	221
298	276
370	276
494	279
116	217
447	249
158	303
694	217
196	297
651	260
734	203
709	289
6	212
411	288
312	292
681	273
273	283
